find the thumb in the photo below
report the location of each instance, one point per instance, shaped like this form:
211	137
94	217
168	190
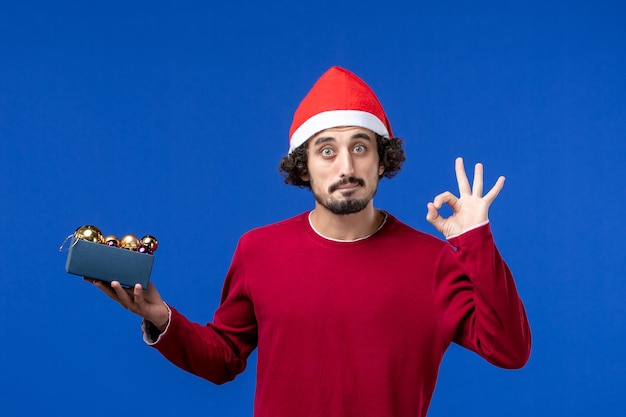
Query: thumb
433	217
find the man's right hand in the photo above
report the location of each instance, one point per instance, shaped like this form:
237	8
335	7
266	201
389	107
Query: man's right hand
147	304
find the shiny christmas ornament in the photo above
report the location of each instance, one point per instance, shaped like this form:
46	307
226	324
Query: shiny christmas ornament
112	240
89	233
148	244
130	242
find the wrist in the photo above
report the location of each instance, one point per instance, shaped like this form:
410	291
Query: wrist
476	226
161	318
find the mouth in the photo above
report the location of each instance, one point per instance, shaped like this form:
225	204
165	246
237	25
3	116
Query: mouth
347	184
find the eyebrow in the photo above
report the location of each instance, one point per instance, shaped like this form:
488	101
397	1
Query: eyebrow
326	139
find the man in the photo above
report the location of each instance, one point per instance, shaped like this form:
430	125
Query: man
351	310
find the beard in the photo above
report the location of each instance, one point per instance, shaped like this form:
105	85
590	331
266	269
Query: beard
343	207
347	205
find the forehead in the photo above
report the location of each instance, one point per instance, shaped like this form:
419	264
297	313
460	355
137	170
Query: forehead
342	132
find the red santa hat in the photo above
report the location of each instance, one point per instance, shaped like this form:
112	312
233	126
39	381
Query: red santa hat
338	98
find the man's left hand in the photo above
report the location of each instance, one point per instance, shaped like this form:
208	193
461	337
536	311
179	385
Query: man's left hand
470	209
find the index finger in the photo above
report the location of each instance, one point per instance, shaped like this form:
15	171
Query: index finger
123	294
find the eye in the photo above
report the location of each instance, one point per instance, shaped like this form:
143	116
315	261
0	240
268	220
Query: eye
326	152
359	148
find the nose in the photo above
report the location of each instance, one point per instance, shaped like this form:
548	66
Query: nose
346	165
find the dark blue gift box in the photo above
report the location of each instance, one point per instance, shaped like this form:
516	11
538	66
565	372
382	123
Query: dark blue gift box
108	263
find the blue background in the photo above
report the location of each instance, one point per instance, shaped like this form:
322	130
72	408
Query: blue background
170	119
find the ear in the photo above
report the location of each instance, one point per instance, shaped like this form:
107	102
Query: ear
305	177
381	170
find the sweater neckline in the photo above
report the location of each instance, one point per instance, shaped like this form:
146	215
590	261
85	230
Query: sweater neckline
380	226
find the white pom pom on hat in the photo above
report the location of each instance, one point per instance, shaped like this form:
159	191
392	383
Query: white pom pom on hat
338	98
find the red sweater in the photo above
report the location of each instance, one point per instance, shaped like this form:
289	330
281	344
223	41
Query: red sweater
353	328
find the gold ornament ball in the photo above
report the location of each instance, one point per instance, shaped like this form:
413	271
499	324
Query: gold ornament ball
129	241
89	233
149	242
112	240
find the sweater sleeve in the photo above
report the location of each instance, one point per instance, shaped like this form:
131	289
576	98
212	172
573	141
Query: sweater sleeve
482	308
217	351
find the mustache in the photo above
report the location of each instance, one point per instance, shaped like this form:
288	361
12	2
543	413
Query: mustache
344	181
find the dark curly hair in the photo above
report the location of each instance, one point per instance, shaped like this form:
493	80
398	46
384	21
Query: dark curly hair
294	166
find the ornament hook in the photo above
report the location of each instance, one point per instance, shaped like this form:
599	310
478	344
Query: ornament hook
62	247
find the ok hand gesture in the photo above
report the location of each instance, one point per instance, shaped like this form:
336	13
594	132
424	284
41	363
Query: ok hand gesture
468	210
